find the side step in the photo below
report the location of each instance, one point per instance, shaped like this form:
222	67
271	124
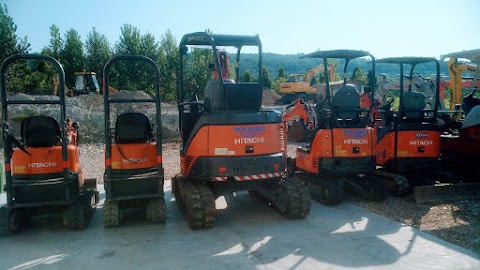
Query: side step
446	192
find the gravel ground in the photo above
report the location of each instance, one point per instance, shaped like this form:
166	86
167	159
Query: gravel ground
457	223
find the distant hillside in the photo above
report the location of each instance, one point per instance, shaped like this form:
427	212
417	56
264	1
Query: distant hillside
292	63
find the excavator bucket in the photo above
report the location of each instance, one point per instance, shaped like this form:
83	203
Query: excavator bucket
440	193
296	131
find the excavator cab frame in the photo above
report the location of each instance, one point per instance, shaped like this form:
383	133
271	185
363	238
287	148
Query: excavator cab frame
342	149
43	170
134	175
410	137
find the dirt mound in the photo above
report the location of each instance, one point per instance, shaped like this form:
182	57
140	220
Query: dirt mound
269	97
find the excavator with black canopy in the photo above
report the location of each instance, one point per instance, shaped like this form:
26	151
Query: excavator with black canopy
339	151
408	134
229	143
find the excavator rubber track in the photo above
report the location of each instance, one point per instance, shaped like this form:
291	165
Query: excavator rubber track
155	210
77	215
397	184
327	191
289	196
371	188
196	201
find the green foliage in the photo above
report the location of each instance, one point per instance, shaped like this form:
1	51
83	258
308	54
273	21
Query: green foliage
358	75
281	73
267	82
98	52
196	72
72	57
56	43
134	75
247	76
10	42
169	62
277	82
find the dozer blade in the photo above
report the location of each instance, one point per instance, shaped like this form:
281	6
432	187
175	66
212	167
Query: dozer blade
446	192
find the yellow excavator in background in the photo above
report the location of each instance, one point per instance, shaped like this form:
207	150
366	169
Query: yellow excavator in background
299	86
85	83
463	117
458	83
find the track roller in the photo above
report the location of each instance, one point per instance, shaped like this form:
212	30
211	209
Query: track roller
196	202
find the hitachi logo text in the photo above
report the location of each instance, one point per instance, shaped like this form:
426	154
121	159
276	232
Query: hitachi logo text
42	165
249	140
421	143
355	141
134	160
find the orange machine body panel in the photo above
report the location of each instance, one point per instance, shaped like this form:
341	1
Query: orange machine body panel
410	144
233	141
45	160
134	156
337	143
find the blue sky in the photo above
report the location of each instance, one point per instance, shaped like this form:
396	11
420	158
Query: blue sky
385	28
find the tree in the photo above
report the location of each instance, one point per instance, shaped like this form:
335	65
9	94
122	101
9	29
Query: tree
98	52
135	75
56	43
169	62
196	74
358	75
281	73
247	76
72	57
267	82
9	42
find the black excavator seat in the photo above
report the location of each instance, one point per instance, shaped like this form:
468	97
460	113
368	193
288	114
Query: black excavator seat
132	127
346	106
40	131
413	105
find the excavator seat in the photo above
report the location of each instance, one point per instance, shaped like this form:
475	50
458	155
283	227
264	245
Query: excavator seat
239	96
132	127
413	104
40	131
346	105
214	97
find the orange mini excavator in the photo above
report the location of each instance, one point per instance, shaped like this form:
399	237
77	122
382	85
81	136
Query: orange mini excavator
339	151
229	143
409	136
42	169
133	152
